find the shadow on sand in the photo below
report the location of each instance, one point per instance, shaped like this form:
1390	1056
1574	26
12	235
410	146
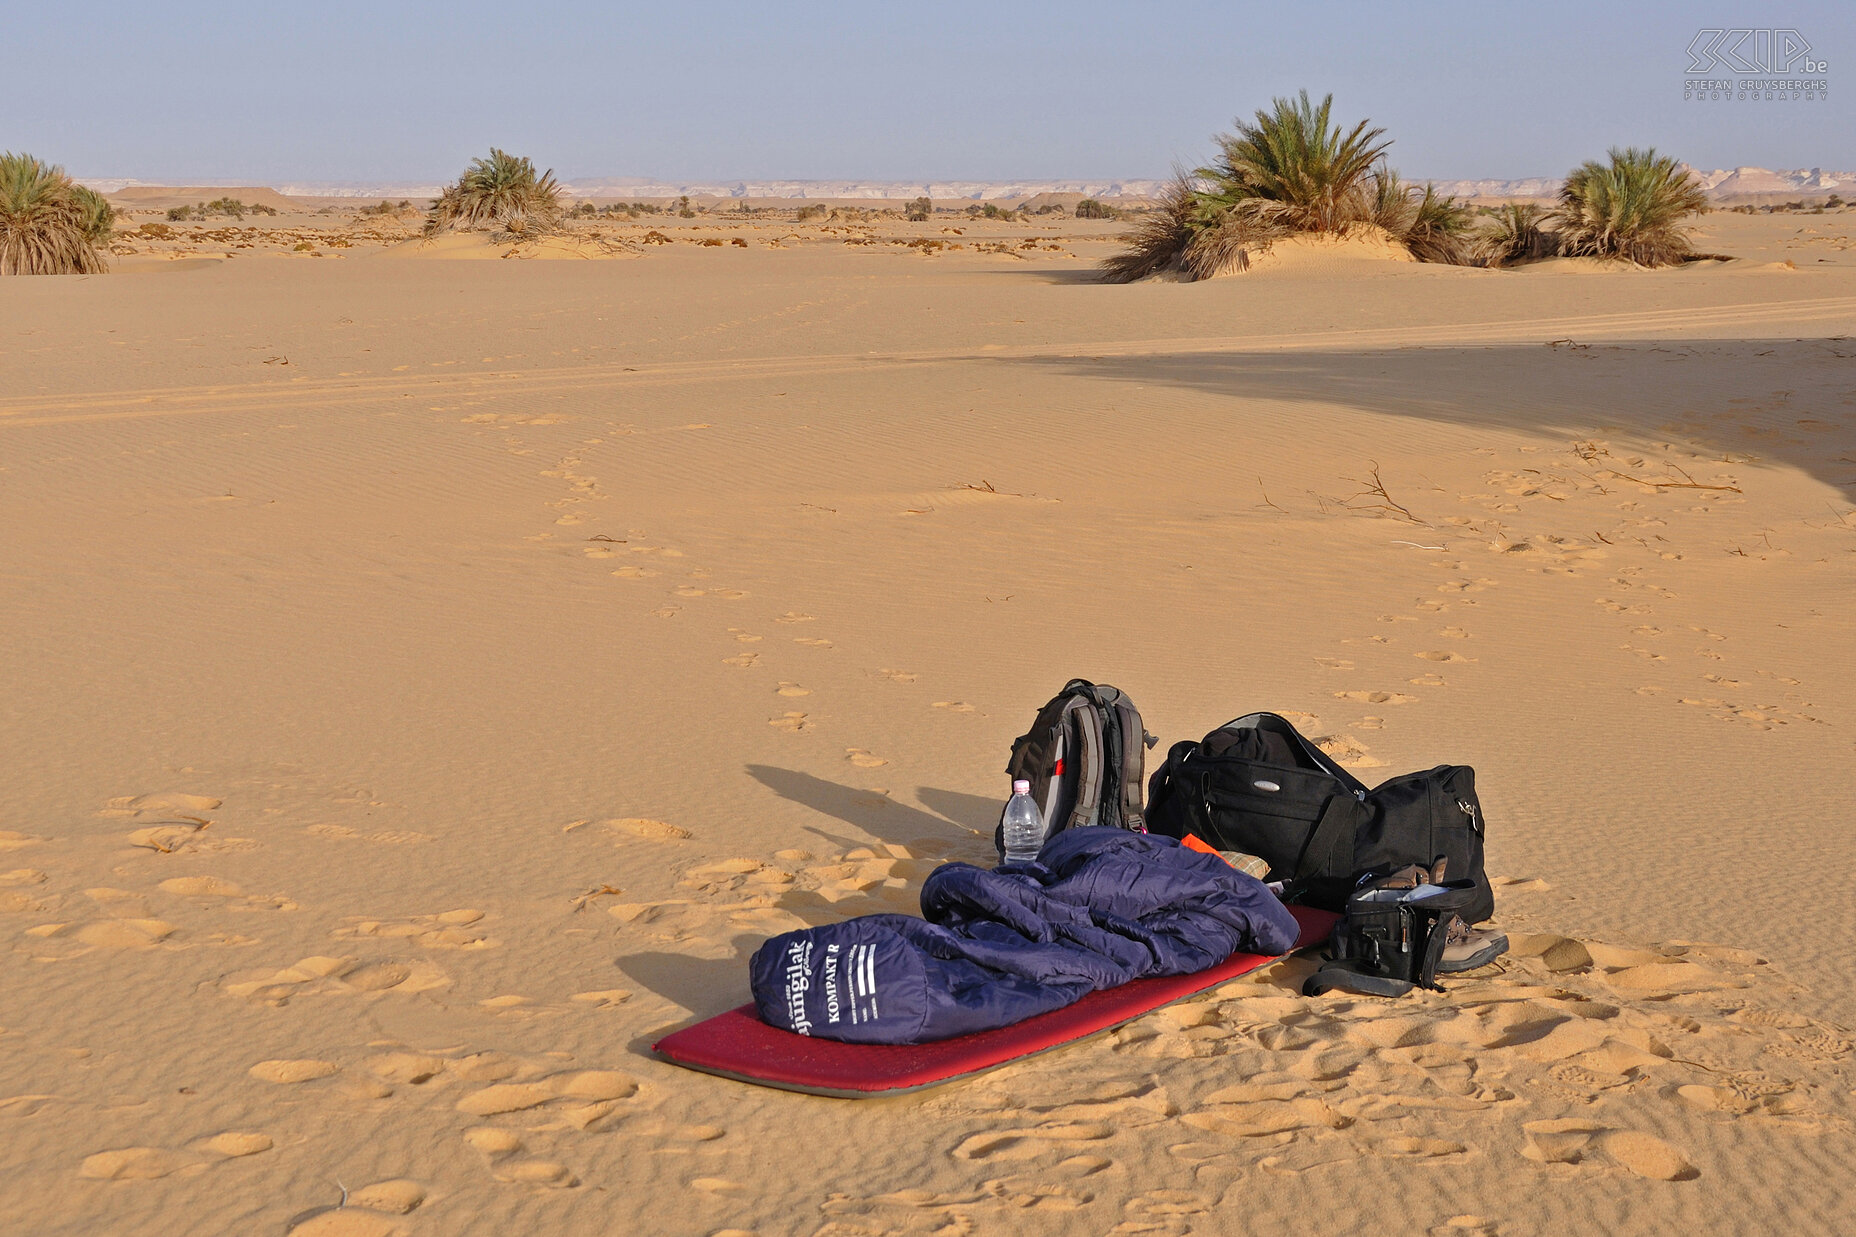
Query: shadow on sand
1745	401
955	824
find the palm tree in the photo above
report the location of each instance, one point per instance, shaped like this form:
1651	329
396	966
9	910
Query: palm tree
99	215
1631	208
500	193
1514	233
1290	166
46	228
1289	170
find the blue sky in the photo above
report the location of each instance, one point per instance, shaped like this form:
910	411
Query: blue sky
361	91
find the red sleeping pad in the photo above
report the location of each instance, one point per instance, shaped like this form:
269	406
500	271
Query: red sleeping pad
739	1045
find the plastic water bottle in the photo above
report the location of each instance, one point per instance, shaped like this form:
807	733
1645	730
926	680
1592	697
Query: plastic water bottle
1024	825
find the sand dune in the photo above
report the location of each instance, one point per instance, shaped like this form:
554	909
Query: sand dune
429	681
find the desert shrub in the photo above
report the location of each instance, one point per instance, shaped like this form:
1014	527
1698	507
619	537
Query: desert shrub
1089	208
230	207
918	210
382	207
1438	227
46	228
1631	208
809	212
583	210
178	214
988	211
501	193
683	208
1159	238
1288	170
259	208
156	231
1833	201
99	215
1513	232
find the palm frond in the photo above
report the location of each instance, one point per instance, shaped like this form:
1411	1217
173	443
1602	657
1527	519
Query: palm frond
45	227
1440	229
99	215
1159	239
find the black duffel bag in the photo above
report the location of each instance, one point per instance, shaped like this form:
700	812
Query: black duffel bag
1258	786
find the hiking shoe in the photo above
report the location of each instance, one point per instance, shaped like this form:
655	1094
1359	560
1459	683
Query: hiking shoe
1466	948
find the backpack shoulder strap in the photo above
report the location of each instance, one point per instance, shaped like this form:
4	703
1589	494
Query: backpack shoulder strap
1134	744
1088	810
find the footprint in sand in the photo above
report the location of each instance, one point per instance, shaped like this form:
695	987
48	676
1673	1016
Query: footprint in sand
633	573
953	706
287	1072
14	899
371	1211
163	805
604	998
1333	663
1427	680
1349	751
791	689
790	722
690	590
319	975
644	827
1576	1141
794	616
667	611
743	660
1440	656
812	641
898	676
744	637
863	758
445	930
1376	697
1028	1142
152	1163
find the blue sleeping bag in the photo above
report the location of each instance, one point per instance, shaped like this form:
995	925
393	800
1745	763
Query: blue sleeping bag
1100	906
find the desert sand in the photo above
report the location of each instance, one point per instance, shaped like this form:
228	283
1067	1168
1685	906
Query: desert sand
428	681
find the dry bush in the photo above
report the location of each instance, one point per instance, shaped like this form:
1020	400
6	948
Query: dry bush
46	227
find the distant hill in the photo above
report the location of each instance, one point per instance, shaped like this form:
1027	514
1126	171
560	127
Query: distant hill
1720	184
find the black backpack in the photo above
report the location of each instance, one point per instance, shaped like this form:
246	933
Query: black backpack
1086	759
1257	785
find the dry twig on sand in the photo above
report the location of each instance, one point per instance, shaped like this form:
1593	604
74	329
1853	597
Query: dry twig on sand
1377	489
1688	483
586	899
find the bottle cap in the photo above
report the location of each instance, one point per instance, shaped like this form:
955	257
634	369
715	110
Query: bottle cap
1021	787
